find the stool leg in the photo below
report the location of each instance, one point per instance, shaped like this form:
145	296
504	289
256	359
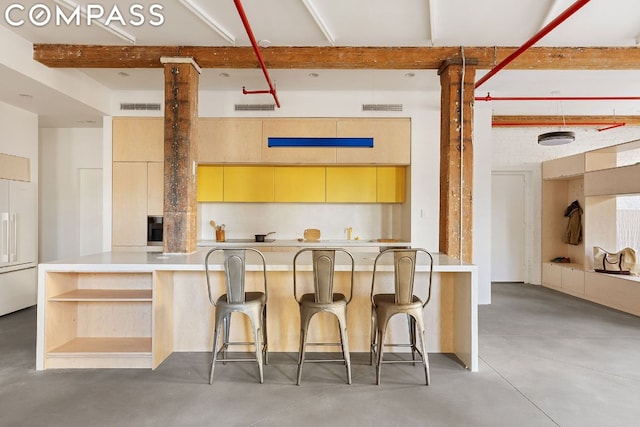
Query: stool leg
344	340
265	345
225	339
382	330
216	332
412	336
374	334
257	340
304	326
425	355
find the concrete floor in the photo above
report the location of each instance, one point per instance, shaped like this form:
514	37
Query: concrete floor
546	359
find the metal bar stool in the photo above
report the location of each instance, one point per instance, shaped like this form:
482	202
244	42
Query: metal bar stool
402	301
323	300
251	304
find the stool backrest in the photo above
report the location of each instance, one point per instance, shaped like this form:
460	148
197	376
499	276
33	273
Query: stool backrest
235	265
324	262
324	267
404	271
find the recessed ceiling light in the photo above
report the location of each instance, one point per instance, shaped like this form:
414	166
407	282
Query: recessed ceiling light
224	75
123	74
264	43
25	95
314	75
410	75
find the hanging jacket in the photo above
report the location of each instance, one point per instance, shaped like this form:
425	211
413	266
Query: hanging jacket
573	234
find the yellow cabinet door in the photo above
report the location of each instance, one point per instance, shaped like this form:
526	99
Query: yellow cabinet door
299	184
351	184
390	184
248	184
209	183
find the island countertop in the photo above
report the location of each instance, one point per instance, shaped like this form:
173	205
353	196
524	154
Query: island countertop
276	261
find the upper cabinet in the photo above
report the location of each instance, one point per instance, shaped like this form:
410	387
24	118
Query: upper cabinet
248	184
138	139
391	141
298	128
300	184
227	140
351	184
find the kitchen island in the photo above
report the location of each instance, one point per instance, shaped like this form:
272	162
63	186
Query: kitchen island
133	309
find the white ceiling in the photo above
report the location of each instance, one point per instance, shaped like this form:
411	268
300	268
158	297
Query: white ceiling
349	23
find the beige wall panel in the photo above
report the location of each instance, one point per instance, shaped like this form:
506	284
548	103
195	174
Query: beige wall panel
391	141
298	128
138	139
621	180
129	204
564	167
225	140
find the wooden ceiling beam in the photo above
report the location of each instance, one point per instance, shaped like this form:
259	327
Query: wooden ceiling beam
545	121
399	58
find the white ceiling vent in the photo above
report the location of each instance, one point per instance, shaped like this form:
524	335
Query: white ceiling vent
381	107
138	106
255	107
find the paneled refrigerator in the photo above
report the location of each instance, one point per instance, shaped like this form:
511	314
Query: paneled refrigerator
18	245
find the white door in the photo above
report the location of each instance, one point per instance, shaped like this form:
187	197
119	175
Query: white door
507	227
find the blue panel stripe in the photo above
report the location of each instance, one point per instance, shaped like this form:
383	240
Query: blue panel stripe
319	142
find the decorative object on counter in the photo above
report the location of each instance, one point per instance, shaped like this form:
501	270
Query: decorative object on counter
621	262
312	234
251	304
349	231
561	259
263	237
402	301
323	300
573	234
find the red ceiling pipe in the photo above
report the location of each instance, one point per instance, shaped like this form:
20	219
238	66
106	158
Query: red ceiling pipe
543	32
245	21
556	98
545	124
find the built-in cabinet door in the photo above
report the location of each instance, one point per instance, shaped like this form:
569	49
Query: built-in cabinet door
209	183
299	184
351	184
229	140
390	184
248	184
129	204
391	141
23	203
155	188
309	128
138	139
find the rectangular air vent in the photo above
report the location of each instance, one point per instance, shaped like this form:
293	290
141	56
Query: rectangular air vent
255	107
381	107
139	106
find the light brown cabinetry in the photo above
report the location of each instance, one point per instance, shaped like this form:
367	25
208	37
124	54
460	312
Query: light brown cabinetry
138	139
227	140
107	320
298	128
596	179
138	191
129	204
391	141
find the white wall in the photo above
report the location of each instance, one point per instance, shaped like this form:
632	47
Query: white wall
517	149
19	135
64	152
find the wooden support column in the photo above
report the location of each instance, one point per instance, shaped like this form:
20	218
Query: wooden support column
456	158
181	78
